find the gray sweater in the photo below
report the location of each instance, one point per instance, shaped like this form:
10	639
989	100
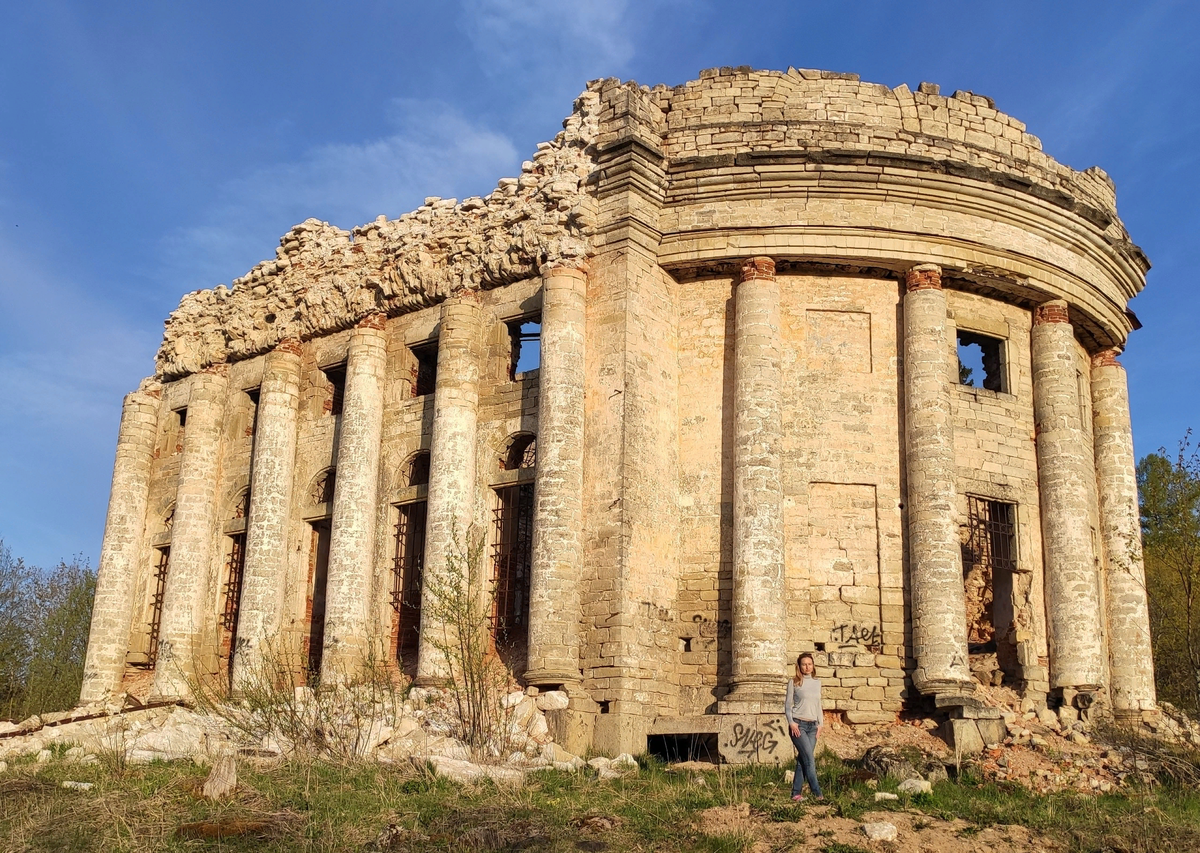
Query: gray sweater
803	702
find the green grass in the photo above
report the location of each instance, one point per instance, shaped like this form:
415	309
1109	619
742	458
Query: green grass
334	807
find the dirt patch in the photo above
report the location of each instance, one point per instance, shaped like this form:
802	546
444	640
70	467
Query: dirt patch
821	828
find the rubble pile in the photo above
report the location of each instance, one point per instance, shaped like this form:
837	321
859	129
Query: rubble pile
419	727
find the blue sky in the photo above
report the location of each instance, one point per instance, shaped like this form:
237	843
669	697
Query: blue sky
149	149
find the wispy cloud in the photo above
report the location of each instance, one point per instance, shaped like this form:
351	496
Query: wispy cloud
568	37
434	150
66	360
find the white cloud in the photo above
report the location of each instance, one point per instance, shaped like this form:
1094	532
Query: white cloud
588	36
66	360
435	150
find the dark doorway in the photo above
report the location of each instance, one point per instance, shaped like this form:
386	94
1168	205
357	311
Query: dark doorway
235	568
512	556
409	566
318	576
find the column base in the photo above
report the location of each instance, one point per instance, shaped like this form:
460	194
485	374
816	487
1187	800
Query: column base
551	678
754	697
945	686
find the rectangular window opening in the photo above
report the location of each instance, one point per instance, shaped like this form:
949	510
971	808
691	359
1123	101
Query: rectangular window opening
158	588
235	568
424	369
407	570
981	361
335	388
526	337
989	556
512	553
318	575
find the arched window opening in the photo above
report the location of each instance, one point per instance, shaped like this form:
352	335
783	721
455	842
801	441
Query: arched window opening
322	487
521	453
417	470
235	568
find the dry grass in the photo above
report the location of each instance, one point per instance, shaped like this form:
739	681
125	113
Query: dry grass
323	806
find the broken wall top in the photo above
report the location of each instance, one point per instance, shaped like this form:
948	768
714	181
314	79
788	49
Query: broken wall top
324	279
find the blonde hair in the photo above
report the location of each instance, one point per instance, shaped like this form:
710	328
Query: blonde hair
799	679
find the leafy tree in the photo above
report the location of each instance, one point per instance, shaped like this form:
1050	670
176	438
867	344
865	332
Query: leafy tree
60	642
1169	490
16	619
44	623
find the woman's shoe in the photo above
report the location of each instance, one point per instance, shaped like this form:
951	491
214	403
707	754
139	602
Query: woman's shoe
799	798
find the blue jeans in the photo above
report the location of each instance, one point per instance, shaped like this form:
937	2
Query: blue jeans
806	767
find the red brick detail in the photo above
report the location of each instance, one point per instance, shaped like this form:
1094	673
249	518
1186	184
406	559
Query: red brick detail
924	277
289	345
1107	358
758	268
1051	312
467	293
377	320
221	368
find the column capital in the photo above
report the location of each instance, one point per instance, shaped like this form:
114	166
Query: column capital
1107	358
375	320
758	267
291	346
923	277
464	295
577	267
1054	311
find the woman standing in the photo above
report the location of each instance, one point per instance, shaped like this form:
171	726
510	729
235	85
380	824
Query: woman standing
804	715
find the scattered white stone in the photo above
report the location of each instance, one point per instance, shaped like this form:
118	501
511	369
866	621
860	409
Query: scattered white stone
882	796
3	766
456	770
78	786
914	786
513	699
553	700
44	756
624	761
222	779
880	831
539	731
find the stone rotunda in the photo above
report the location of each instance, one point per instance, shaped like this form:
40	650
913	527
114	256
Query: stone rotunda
760	364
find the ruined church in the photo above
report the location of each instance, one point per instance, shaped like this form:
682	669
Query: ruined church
760	364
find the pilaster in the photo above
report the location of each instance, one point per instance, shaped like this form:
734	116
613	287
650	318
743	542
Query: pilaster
1072	583
1131	656
190	571
271	475
448	528
112	611
557	560
759	611
348	596
939	616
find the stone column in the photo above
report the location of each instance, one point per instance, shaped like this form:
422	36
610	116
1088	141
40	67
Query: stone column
271	473
451	498
557	560
759	612
348	631
939	610
112	611
1072	588
1130	660
186	604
